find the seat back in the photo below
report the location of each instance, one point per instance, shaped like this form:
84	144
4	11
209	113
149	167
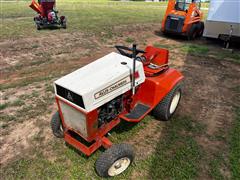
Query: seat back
156	55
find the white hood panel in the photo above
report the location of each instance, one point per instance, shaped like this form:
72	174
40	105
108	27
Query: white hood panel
102	80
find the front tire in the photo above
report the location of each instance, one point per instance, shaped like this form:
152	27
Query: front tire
56	125
115	160
167	107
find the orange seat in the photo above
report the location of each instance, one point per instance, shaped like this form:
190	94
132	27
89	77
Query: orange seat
157	60
156	55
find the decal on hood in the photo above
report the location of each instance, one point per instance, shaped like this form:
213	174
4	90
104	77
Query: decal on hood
113	87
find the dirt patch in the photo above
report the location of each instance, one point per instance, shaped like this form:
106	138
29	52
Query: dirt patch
208	91
17	141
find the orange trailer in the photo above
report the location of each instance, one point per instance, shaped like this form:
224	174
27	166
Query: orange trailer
183	17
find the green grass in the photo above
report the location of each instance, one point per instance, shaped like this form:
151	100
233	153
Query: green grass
215	166
165	46
17	103
225	54
91	17
178	153
192	49
68	163
3	106
129	40
234	155
227	157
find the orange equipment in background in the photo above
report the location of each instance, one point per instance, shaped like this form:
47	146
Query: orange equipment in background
183	17
47	15
36	7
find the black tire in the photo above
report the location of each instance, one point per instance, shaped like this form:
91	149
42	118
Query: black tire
56	125
193	32
38	26
162	110
112	155
201	29
64	25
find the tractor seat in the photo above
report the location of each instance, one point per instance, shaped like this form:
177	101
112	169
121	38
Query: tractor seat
157	58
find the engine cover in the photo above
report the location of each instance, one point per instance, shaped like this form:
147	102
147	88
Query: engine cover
99	82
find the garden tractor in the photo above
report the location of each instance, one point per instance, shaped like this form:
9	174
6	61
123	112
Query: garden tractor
124	86
183	17
47	15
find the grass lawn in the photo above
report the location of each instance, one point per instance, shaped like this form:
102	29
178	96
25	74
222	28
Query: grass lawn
92	17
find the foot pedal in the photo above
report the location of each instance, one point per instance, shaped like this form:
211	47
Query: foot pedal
137	112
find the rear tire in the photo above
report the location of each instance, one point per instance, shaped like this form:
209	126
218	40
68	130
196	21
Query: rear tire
56	125
167	107
193	32
115	160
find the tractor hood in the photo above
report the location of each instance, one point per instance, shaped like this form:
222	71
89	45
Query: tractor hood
99	82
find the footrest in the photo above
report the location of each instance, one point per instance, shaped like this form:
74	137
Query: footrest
137	113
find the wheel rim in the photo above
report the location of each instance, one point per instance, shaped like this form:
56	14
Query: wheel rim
61	128
119	166
175	102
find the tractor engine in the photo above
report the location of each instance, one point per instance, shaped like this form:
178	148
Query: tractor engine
110	110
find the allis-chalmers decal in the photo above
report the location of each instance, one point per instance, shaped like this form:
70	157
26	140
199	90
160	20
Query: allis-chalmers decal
113	87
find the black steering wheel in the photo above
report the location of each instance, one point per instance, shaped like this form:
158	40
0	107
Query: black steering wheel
134	51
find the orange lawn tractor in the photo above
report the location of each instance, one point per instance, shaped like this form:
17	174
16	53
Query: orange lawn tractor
183	17
124	86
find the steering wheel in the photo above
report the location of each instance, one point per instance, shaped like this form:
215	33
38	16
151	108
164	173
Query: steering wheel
122	50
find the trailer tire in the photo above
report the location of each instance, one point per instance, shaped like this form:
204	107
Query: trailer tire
56	125
193	32
167	107
114	160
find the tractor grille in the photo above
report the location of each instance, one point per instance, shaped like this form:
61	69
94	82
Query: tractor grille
70	96
174	23
74	119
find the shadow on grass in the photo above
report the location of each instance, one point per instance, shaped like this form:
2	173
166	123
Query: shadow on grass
177	153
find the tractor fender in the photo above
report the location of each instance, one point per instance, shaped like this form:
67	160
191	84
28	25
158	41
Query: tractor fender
154	89
165	83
